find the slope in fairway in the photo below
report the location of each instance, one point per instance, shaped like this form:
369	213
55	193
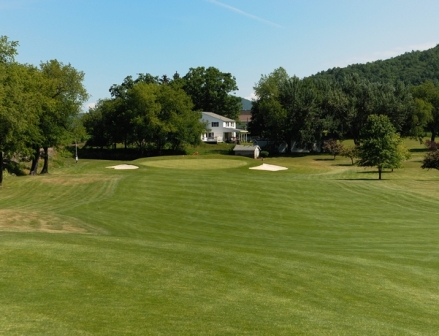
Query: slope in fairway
223	251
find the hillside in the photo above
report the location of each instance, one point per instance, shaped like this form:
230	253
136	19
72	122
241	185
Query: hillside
246	104
412	68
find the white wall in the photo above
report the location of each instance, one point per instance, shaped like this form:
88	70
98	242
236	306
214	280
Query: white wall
218	131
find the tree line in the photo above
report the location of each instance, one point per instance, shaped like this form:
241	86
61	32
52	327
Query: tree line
39	106
311	110
412	68
308	110
156	113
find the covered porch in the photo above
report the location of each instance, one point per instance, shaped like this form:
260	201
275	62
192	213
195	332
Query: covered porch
236	135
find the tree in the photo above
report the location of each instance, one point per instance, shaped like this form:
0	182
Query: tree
19	103
333	147
62	94
380	145
286	109
163	116
268	115
210	91
350	152
428	103
302	120
361	98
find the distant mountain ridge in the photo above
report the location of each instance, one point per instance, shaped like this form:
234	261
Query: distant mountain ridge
246	104
412	68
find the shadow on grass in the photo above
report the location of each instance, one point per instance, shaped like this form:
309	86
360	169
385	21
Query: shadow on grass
344	165
15	168
419	150
324	159
358	179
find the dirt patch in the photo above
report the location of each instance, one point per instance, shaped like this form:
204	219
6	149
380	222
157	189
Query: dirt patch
29	221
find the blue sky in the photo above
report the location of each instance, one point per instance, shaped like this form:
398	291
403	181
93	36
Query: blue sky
111	39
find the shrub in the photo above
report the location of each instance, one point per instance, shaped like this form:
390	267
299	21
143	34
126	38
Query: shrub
332	146
264	154
431	145
431	160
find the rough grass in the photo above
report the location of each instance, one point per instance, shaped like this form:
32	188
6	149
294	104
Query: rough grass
320	249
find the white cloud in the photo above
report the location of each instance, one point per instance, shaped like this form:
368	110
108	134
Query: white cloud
236	10
251	96
90	105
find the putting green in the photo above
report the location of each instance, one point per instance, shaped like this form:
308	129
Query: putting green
195	164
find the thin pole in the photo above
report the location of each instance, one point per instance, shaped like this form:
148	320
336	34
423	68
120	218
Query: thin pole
76	151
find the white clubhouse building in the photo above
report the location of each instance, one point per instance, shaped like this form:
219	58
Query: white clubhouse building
219	128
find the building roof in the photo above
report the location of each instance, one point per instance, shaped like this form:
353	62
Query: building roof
245	148
217	116
245	116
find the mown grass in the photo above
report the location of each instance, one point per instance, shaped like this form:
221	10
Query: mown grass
323	248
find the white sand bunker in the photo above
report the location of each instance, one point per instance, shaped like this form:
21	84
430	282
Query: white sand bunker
123	166
269	167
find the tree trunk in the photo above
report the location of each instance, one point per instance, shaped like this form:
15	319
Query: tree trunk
379	172
45	169
289	143
433	136
1	168
34	166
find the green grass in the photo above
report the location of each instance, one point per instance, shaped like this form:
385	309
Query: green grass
323	248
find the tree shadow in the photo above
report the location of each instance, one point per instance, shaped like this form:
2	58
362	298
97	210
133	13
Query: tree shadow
375	172
15	168
358	179
419	150
323	159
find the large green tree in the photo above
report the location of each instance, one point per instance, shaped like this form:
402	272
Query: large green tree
19	103
285	109
381	145
210	91
427	95
268	115
149	113
63	94
302	122
163	116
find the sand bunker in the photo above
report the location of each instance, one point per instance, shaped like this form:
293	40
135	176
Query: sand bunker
269	167
123	166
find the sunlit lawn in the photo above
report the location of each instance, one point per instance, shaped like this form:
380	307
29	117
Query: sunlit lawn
203	245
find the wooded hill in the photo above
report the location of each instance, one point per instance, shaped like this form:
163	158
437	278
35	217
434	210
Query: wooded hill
412	68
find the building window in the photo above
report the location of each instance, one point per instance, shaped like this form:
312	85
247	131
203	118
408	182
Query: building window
227	124
215	124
